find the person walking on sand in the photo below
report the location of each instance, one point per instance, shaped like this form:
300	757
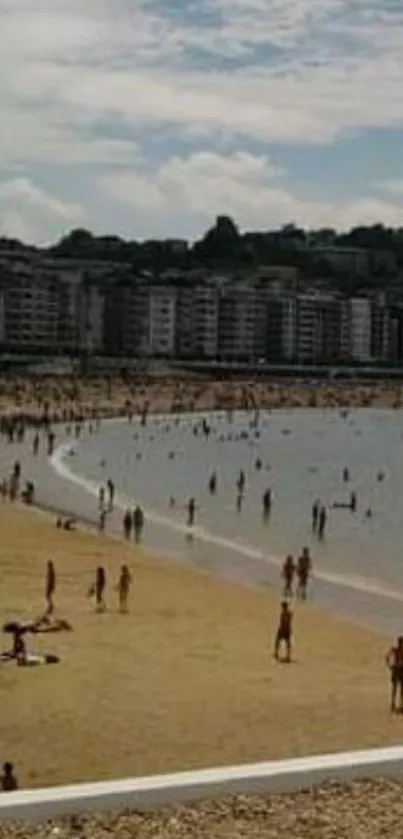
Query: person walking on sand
124	588
288	574
102	520
304	569
394	661
127	524
138	524
99	589
8	779
50	586
284	632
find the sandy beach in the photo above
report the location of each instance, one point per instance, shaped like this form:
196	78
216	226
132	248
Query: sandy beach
187	679
65	396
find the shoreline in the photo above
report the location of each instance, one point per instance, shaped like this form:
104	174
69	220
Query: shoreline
352	595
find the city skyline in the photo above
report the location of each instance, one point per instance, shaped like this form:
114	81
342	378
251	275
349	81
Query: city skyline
148	121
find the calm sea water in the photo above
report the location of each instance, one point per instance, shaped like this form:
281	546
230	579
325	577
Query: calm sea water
303	454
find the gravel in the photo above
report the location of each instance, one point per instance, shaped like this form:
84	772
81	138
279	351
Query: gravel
363	810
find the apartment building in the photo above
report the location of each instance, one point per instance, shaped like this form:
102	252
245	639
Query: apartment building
357	329
162	321
318	328
197	321
126	318
242	324
31	309
281	337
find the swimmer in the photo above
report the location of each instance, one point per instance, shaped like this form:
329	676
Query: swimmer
288	574
284	632
124	588
50	587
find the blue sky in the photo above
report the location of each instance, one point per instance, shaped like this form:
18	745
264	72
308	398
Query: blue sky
148	118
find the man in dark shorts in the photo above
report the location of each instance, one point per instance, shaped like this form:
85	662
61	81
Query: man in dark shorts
394	661
284	632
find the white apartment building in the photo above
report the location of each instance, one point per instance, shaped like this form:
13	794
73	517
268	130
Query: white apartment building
359	328
162	321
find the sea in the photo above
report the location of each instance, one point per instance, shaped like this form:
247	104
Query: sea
358	567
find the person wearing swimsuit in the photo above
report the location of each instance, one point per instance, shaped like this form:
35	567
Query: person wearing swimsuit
394	661
284	632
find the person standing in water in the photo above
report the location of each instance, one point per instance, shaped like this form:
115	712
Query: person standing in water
124	588
35	444
50	586
191	512
288	574
101	497
284	632
322	523
304	569
138	523
213	483
241	482
111	493
353	502
266	501
346	475
315	515
102	520
394	661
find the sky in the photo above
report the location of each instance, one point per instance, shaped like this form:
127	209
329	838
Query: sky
147	118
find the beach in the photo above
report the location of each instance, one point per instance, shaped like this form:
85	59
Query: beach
185	680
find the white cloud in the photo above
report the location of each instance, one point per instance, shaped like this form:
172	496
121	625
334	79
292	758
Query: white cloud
78	74
26	211
187	193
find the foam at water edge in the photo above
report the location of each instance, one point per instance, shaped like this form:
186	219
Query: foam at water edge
361	584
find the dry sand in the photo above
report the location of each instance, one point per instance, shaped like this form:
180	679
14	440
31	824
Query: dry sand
185	680
367	810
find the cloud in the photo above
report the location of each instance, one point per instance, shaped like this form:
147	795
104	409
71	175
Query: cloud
185	194
26	210
95	86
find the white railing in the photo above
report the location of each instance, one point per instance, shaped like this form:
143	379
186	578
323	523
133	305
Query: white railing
156	791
